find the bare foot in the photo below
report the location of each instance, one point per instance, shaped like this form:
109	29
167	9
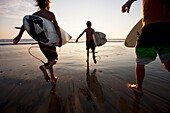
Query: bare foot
95	61
87	61
43	69
53	80
134	88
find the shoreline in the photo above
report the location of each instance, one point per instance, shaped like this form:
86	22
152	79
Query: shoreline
32	41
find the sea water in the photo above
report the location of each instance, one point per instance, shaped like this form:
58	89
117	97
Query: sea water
22	41
32	41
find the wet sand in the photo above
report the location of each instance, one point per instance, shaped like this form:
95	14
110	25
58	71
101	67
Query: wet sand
81	88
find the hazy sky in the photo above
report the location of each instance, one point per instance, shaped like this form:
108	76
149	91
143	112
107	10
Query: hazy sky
72	16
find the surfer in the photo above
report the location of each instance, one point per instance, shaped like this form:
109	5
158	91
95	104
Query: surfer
89	40
154	38
49	51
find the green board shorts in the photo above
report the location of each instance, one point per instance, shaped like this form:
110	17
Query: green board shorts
154	40
147	55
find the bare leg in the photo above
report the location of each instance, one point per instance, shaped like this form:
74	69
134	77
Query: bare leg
167	65
140	74
53	78
87	55
43	68
94	57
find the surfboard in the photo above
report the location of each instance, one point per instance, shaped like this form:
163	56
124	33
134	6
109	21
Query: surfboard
99	38
43	30
133	35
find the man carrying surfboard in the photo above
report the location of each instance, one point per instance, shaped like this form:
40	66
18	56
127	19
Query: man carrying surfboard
154	39
89	40
49	51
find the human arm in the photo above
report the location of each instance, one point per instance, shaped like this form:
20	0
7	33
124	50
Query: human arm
80	36
127	5
18	37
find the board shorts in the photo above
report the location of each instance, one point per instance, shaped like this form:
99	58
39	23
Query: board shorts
90	44
154	40
49	52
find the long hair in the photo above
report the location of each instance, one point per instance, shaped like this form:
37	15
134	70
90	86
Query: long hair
43	4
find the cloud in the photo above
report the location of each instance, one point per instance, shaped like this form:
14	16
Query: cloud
16	8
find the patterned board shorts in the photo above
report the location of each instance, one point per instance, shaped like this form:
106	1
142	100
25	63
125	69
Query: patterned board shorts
154	41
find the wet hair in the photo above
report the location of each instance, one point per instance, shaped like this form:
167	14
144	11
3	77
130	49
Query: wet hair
43	4
88	23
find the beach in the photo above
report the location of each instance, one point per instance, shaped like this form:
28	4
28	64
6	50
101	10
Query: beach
80	88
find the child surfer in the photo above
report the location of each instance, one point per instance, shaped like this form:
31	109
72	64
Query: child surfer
49	51
89	40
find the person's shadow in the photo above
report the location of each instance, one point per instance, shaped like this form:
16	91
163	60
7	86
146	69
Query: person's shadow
136	103
93	92
94	86
126	108
55	101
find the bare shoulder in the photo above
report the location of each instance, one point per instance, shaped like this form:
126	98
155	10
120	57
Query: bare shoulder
89	30
36	13
45	14
92	29
50	13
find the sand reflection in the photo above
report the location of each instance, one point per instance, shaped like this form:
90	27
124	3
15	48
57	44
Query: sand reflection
93	92
55	101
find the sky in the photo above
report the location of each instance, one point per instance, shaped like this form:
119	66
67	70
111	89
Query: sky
72	15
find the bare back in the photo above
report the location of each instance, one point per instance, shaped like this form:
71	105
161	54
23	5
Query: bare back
45	14
89	34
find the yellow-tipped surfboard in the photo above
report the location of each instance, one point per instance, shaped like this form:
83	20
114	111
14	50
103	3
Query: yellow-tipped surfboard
133	35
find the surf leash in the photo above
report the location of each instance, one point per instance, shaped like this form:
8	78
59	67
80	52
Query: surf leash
98	57
29	51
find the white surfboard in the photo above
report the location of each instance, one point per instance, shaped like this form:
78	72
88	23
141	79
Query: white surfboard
99	38
43	30
133	35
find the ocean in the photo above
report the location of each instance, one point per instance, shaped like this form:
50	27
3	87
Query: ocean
32	41
22	41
